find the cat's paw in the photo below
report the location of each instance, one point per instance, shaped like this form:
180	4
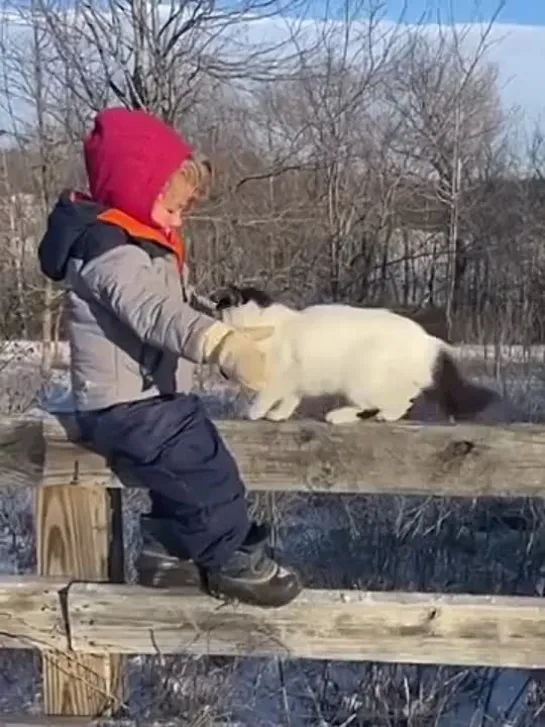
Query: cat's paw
343	415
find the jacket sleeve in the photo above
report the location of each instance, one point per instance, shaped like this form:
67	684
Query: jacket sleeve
124	281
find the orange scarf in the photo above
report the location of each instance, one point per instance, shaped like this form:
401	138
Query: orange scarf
171	241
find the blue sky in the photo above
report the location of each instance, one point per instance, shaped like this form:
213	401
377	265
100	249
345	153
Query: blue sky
520	12
518	47
517	41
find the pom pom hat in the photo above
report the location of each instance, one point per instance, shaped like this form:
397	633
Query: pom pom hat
129	157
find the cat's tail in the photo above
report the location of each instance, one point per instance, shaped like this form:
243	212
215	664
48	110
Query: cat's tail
462	399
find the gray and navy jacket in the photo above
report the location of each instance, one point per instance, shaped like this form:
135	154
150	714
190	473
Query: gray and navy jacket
132	332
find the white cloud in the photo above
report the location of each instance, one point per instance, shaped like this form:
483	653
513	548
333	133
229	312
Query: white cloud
520	55
518	51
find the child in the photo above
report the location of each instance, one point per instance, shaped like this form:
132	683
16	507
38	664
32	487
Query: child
134	340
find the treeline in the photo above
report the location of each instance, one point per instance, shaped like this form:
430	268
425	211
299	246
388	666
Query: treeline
353	162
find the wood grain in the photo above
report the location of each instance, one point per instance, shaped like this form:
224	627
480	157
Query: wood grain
346	625
73	527
31	614
397	627
404	458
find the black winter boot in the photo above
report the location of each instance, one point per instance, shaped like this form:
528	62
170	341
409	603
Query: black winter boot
253	577
158	565
250	575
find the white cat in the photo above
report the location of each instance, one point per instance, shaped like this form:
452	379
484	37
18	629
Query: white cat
378	360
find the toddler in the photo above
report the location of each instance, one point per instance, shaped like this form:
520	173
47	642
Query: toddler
134	341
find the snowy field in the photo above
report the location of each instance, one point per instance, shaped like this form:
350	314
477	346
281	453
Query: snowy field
514	353
375	542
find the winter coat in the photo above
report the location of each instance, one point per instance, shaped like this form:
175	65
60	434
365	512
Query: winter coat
131	329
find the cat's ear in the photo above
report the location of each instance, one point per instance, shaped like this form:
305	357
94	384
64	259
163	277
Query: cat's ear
227	297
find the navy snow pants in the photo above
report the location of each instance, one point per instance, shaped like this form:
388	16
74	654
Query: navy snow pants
172	447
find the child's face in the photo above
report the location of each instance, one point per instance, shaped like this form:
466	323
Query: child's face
170	213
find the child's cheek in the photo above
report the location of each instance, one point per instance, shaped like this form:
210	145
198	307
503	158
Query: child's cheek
175	219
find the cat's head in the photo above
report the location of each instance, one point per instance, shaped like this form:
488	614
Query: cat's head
241	306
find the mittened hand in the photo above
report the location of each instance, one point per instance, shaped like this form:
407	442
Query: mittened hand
235	352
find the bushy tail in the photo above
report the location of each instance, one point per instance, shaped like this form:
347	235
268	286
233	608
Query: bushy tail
464	400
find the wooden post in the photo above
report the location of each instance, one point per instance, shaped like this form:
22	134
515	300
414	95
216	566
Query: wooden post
79	537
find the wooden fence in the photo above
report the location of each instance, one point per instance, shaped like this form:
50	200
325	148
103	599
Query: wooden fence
83	618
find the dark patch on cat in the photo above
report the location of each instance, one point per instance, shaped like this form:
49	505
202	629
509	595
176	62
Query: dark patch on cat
232	296
367	414
452	395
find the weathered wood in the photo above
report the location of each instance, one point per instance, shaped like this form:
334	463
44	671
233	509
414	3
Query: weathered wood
31	614
398	627
464	460
403	458
348	625
73	540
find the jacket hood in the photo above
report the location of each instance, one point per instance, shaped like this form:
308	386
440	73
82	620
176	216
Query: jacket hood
130	155
68	221
72	218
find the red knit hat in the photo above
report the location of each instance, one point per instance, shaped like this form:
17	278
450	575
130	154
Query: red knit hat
129	157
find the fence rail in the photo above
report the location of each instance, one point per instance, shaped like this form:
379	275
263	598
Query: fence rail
424	628
84	619
405	458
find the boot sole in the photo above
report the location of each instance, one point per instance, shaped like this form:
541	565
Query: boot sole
269	597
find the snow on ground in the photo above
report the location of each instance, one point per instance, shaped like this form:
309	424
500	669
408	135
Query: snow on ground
376	542
515	353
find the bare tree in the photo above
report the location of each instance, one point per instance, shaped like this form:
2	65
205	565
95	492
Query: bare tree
446	99
157	55
32	96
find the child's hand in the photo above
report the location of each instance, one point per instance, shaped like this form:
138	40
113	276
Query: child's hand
236	354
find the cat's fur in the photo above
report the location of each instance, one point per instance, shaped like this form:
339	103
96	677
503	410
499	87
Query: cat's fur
379	361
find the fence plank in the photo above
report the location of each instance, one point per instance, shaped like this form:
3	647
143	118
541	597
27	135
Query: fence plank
397	627
31	614
73	526
403	458
347	625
